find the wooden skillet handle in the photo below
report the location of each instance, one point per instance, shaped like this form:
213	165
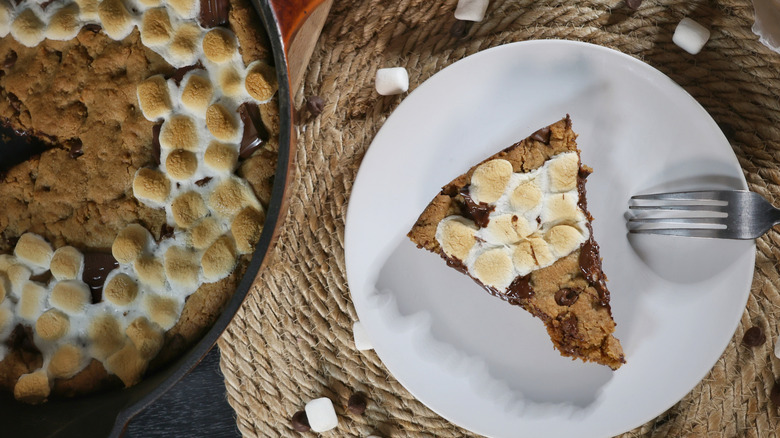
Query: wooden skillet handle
300	23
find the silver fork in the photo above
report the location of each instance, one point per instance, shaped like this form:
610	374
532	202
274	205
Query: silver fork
724	214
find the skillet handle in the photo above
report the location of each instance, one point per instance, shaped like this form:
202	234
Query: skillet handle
300	23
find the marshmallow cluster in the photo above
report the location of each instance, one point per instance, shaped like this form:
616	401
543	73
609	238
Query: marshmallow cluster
535	220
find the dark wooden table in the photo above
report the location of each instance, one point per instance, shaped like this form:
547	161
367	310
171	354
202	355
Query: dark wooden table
195	407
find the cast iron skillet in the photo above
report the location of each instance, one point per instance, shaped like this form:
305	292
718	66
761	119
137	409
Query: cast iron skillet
107	414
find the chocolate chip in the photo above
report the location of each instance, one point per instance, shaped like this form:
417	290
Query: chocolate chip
754	337
775	394
315	105
166	231
357	403
156	150
569	324
542	135
633	4
92	27
214	13
10	59
460	28
202	182
566	296
97	266
76	148
300	422
255	132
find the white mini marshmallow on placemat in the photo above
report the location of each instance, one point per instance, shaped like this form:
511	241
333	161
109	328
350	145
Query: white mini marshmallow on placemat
471	10
394	80
690	36
321	414
361	337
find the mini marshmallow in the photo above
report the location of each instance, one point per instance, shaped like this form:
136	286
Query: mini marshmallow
362	342
188	208
52	325
31	301
690	36
130	243
147	338
32	388
64	24
218	261
34	251
88	9
182	267
196	94
154	98
181	164
66	361
321	414
116	20
563	172
494	268
5	19
156	27
523	258
219	45
151	186
150	272
184	46
471	10
179	132
261	81
221	157
105	336
204	233
67	263
28	29
230	81
231	196
70	296
489	180
185	8
393	80
563	239
18	275
541	251
161	310
127	364
246	229
120	290
221	123
457	236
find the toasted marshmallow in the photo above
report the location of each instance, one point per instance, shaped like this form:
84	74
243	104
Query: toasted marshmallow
67	263
526	196
563	171
219	260
231	82
542	253
32	388
150	3
88	10
127	364
564	239
130	243
105	336
196	95
6	320
523	258
151	186
5	288
52	325
219	45
179	132
162	310
261	81
31	302
181	164
221	123
246	229
6	261
456	236
18	276
185	8
156	29
71	296
231	196
154	97
494	268
120	290
501	230
150	272
204	233
64	25
147	338
66	362
188	208
34	251
116	20
184	47
489	180
5	19
181	267
28	29
221	157
562	207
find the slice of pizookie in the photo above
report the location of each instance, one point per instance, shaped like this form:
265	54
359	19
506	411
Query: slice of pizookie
518	224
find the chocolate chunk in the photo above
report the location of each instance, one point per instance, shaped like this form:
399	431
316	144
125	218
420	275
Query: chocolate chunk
775	394
92	27
357	403
97	265
633	4
300	422
76	148
214	13
42	278
479	213
569	325
202	182
156	149
166	231
519	289
10	60
590	265
542	135
754	337
566	296
179	73
255	132
460	28
315	105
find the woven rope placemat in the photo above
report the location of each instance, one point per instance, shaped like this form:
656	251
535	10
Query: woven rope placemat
292	339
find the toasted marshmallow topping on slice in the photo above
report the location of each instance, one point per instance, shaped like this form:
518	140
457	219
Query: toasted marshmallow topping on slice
563	173
526	196
456	235
489	180
28	28
494	268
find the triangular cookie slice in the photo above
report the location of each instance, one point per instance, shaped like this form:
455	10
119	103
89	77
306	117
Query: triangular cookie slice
518	224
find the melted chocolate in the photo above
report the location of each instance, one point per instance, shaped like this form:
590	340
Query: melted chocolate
590	265
542	135
519	290
179	73
156	150
479	213
97	266
255	132
21	338
567	296
76	148
19	146
214	13
10	60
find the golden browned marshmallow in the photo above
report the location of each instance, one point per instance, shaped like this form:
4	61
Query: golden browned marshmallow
6	261
150	272
6	318
67	263
115	19
182	266
18	276
181	164
456	236
120	290
246	229
561	207
156	27
32	388
64	24
5	288
523	258
70	296
204	233
196	95
230	81
219	45
563	239
130	243
179	132
28	29
489	180
66	362
154	97
542	254
502	230
151	185
105	336
221	157
88	9
231	196
52	325
5	18
219	260
261	81
146	337
221	123
563	171
31	301
127	364
33	250
526	196
185	8
188	208
163	311
494	268
150	3
185	43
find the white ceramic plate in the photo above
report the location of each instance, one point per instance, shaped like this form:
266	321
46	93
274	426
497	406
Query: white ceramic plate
489	366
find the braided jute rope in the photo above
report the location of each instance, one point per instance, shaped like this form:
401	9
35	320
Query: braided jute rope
292	339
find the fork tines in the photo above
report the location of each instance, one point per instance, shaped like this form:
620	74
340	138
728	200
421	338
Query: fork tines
696	213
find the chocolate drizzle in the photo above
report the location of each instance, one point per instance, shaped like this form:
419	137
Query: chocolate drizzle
97	266
479	213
